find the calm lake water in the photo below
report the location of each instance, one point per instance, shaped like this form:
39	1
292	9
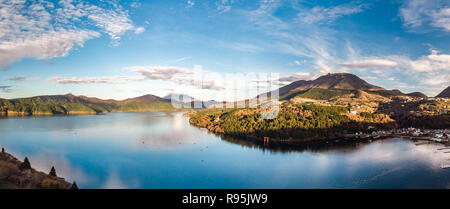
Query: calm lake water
161	150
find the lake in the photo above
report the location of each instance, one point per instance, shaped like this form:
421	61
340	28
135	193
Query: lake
162	150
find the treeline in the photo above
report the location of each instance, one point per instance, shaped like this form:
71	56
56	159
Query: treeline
53	105
295	121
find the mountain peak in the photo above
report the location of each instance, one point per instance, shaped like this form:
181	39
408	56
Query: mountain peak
344	81
180	97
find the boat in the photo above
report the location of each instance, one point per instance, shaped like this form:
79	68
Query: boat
421	143
445	166
436	139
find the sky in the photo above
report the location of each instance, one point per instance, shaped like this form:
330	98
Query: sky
218	49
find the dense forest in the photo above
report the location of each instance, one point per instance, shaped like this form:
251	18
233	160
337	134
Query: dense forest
70	104
294	121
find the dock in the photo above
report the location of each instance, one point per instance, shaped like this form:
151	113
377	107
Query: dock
422	143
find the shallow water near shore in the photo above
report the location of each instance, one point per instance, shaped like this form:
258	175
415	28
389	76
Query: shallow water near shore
162	150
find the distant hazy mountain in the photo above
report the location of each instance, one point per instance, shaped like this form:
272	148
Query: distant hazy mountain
445	93
70	104
180	98
189	101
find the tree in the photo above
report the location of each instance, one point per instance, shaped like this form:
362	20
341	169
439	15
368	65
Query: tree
74	186
3	150
25	165
52	172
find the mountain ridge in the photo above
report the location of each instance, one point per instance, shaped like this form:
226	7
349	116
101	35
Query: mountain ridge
445	93
71	104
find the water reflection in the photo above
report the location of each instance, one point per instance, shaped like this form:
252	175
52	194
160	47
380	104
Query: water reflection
299	147
161	150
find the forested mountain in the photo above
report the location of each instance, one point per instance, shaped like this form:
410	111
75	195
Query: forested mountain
70	104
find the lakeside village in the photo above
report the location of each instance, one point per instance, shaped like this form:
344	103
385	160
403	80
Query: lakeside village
436	135
426	136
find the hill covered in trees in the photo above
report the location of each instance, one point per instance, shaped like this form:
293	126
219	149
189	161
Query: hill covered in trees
69	105
294	121
330	106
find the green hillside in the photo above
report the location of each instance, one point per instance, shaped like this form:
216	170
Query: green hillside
70	104
323	94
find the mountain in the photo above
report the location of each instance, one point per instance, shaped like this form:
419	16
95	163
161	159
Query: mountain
70	104
188	101
445	93
335	85
180	98
417	94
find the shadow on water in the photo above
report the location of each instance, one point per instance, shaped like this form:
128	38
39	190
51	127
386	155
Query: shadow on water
310	146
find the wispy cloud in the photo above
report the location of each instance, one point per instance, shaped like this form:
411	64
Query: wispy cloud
160	72
6	89
94	80
139	30
417	13
181	59
190	4
295	77
427	63
327	15
224	6
369	63
303	36
178	75
17	78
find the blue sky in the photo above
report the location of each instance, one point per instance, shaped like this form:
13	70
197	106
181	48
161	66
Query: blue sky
122	49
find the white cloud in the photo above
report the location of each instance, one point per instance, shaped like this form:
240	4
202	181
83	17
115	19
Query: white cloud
297	76
178	75
427	63
22	78
160	72
139	30
6	89
245	47
49	45
42	29
369	63
190	4
224	6
91	80
416	13
181	59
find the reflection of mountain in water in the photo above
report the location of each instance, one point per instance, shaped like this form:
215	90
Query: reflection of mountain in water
311	146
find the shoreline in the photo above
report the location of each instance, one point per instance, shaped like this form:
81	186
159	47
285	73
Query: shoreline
5	115
332	141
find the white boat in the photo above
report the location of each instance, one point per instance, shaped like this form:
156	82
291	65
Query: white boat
436	139
445	166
